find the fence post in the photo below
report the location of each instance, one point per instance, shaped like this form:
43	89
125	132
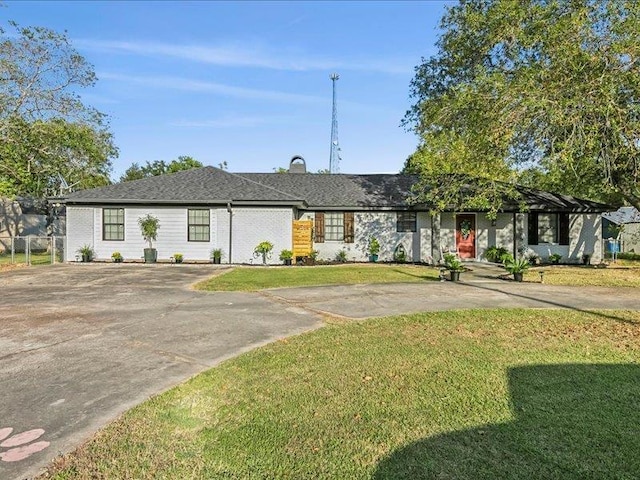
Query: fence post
53	249
13	249
27	251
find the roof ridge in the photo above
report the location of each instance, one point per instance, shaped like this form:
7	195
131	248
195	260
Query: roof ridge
241	175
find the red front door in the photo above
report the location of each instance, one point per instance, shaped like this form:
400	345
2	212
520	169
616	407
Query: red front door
466	235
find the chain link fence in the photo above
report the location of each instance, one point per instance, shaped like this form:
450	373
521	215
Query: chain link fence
32	250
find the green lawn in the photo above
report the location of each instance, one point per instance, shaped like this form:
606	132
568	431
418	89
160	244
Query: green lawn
612	276
258	278
20	258
506	394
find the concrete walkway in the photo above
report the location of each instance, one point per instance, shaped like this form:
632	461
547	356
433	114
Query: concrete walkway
80	344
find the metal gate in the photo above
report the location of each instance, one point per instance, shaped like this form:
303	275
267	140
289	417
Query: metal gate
32	250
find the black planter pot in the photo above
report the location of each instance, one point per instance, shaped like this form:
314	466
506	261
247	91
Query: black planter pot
518	276
454	276
117	260
150	255
216	260
86	257
287	261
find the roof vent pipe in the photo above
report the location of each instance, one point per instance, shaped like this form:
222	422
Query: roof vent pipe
296	166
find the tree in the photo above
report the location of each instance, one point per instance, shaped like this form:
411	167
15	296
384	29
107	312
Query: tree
159	167
46	132
543	91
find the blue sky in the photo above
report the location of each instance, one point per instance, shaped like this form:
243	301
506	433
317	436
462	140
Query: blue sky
248	82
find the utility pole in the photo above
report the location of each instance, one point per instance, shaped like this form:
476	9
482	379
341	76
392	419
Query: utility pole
334	156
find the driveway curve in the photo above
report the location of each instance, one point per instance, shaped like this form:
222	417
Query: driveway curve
82	343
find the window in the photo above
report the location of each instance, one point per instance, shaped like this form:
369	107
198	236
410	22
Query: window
113	224
548	228
406	222
334	226
198	225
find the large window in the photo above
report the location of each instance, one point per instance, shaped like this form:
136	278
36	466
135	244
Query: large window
406	222
198	225
113	224
547	228
334	226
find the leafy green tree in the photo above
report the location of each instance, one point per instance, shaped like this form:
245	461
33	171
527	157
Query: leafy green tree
159	167
541	91
46	132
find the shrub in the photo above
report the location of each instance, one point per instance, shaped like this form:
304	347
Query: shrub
341	256
178	257
116	257
286	255
517	266
496	254
555	258
374	246
263	249
453	263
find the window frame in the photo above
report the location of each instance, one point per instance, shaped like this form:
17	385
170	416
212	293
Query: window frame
196	225
334	226
554	227
404	225
105	224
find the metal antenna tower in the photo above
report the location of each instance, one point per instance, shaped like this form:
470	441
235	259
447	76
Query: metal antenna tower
334	156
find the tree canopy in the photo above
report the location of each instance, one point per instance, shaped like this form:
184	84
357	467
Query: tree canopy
47	134
544	92
159	167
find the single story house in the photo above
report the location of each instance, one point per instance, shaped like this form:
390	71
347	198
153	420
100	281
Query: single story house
209	208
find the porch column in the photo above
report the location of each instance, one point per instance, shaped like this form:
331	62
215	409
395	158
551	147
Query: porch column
436	252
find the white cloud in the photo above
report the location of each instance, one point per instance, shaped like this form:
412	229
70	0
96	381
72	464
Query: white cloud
253	56
185	84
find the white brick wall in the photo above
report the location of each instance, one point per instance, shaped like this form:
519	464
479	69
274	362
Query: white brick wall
254	225
381	225
79	230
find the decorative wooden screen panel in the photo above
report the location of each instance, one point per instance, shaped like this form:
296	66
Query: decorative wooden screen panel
302	240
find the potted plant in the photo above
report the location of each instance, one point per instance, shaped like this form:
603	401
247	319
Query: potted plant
263	249
178	257
374	249
454	265
341	256
216	255
518	268
87	253
313	256
149	227
286	256
400	255
555	258
116	257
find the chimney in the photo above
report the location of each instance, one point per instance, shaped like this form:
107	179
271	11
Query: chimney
297	165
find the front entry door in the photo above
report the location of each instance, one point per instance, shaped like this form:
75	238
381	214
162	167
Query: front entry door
466	235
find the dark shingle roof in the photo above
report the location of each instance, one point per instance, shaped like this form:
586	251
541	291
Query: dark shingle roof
312	190
341	190
199	185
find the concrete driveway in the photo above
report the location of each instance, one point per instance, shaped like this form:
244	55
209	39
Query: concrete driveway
80	344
